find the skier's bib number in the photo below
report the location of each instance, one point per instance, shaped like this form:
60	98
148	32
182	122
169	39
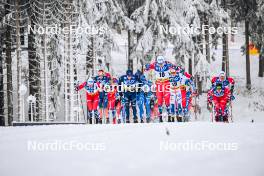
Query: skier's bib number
162	75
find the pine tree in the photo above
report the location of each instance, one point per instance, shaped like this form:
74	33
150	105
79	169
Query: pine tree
244	11
33	66
8	59
2	98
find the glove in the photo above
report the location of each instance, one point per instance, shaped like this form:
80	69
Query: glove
147	67
76	87
209	105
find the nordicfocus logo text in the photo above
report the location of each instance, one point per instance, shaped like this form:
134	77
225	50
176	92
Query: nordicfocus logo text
191	145
72	29
58	145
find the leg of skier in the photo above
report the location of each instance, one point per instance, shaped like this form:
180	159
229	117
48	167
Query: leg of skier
127	107
159	94
179	105
95	108
172	105
133	100
89	100
140	103
167	98
147	106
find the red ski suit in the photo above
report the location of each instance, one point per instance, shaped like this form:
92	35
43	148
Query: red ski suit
92	95
219	99
162	81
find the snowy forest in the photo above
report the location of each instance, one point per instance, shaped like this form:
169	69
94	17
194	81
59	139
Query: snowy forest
39	68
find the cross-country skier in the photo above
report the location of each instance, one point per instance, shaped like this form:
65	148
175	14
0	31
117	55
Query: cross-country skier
191	92
182	89
128	82
162	69
219	97
102	79
92	98
112	95
144	95
226	81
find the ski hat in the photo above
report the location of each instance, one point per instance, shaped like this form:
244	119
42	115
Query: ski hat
129	72
160	59
222	73
90	81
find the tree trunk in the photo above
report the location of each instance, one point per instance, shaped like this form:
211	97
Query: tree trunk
225	59
9	86
90	58
18	52
190	66
34	72
2	101
207	37
248	79
130	48
261	62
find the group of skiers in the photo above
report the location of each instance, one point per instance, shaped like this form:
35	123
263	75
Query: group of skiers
111	100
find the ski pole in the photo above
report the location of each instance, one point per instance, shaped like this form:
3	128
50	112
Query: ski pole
231	113
80	98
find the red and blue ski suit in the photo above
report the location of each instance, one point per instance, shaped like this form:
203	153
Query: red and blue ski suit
162	77
92	98
219	98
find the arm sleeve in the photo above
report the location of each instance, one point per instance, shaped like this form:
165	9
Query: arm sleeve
81	86
149	67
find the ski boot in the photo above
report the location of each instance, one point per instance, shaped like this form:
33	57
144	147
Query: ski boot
136	120
172	119
127	120
169	118
179	118
107	121
90	120
148	120
96	121
141	121
119	121
100	121
160	119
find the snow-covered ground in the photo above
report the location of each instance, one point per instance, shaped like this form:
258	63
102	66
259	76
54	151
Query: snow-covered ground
135	149
140	149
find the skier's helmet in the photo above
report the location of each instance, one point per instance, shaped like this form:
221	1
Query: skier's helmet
90	81
101	73
222	75
129	72
160	59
